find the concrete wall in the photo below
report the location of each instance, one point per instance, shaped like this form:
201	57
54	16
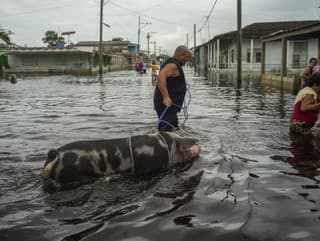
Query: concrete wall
287	83
50	63
273	54
312	49
273	57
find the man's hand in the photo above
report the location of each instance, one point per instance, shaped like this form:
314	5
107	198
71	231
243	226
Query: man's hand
317	124
167	101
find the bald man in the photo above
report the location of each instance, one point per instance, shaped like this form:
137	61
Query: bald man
171	89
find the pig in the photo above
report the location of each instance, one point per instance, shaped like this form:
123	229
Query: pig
142	155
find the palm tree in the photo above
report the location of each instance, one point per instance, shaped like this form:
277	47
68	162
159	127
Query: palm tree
4	35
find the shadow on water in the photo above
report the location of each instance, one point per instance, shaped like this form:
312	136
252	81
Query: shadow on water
305	157
251	182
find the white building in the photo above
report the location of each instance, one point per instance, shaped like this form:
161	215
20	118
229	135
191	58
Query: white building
289	51
219	53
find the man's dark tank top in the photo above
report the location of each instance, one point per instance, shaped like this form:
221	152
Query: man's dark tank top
176	87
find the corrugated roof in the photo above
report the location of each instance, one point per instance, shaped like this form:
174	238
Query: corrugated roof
257	30
294	30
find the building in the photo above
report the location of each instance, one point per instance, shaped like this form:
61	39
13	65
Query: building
285	53
219	53
81	58
50	60
123	49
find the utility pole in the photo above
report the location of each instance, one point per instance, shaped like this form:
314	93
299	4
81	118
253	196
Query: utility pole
139	37
239	43
154	47
100	40
148	38
194	47
188	40
139	32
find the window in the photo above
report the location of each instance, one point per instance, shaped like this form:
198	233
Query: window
258	57
299	56
232	56
248	56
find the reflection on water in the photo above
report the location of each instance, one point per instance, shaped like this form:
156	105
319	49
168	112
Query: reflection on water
305	157
251	182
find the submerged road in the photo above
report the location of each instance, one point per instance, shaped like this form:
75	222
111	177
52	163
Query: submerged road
253	186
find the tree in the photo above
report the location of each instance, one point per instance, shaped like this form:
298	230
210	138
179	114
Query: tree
52	38
4	35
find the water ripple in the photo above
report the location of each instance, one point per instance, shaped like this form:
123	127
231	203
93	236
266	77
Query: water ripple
252	175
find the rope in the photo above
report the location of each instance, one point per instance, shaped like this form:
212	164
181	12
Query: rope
315	131
131	154
185	106
131	151
166	143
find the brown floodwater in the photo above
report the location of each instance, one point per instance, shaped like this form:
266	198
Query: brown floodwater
251	182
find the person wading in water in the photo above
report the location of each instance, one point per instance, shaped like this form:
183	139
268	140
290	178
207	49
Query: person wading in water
306	74
171	89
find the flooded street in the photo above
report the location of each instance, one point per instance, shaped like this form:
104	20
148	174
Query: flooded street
256	184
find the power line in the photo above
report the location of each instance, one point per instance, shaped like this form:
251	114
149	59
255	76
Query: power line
106	2
210	12
137	13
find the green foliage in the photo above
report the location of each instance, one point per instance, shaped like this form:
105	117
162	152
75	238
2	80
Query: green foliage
52	38
4	35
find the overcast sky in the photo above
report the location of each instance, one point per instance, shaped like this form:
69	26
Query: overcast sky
171	20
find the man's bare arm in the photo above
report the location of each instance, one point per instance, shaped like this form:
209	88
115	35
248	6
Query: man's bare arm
168	71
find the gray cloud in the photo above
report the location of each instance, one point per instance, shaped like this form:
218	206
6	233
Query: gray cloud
171	20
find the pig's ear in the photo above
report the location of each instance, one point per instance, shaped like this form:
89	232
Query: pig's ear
52	154
185	143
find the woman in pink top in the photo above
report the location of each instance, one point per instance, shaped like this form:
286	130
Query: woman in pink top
306	108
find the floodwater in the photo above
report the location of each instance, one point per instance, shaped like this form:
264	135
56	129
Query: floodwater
251	182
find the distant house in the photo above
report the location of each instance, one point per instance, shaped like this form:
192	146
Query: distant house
117	49
50	60
81	58
108	47
219	53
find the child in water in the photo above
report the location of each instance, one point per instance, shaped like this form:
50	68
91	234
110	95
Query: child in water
154	73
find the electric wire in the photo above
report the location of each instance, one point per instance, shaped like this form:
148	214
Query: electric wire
210	12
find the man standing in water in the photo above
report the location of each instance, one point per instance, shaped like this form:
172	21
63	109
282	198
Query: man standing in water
171	89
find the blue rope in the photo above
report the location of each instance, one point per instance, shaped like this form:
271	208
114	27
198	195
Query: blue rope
184	107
